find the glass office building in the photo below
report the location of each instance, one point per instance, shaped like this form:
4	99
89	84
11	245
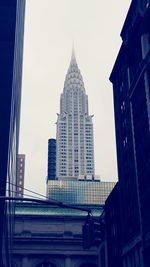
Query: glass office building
79	192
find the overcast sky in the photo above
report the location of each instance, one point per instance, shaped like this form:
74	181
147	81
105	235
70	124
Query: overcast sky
51	28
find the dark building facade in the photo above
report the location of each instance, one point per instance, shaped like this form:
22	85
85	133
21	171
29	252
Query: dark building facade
11	48
51	159
112	228
131	88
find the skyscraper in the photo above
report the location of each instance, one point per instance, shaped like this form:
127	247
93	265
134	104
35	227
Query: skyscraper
11	50
74	145
51	174
75	181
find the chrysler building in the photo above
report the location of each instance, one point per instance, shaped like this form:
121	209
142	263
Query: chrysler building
74	136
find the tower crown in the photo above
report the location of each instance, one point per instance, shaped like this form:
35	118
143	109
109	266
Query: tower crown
73	58
73	80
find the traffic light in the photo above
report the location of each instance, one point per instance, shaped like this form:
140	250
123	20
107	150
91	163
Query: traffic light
92	232
87	233
97	233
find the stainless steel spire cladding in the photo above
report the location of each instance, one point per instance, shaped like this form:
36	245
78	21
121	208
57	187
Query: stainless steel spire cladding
75	147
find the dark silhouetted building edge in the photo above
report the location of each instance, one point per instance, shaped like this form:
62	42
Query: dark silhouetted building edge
131	88
11	51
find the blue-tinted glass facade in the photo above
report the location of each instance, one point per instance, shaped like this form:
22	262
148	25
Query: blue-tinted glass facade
80	192
51	159
11	50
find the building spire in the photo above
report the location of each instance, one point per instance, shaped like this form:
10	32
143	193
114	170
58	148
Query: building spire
73	58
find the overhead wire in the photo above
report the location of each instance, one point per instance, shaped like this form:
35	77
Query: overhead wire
28	190
31	191
55	202
22	194
45	201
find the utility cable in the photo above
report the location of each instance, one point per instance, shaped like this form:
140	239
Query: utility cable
22	194
28	190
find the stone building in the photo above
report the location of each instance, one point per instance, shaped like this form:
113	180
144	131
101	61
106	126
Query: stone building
47	236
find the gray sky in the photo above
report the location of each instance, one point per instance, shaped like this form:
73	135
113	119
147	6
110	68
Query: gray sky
51	27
